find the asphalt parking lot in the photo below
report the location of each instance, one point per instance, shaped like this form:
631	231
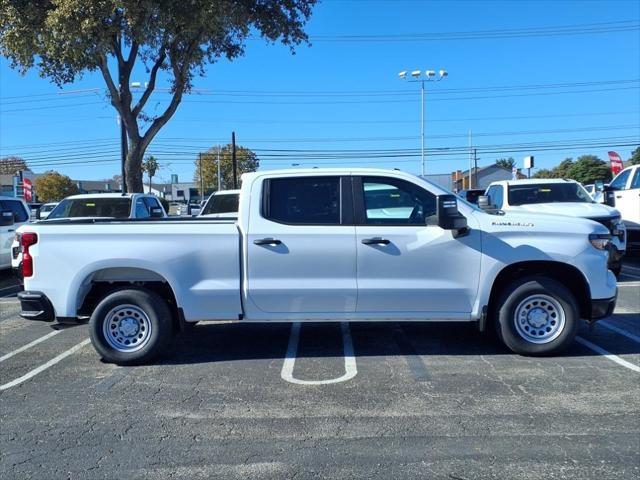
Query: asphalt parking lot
385	400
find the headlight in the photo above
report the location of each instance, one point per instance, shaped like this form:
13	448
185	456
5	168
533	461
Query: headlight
600	241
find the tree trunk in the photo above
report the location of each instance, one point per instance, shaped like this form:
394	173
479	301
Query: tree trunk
133	169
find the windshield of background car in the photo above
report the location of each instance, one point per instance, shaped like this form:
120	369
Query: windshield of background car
92	207
222	204
547	193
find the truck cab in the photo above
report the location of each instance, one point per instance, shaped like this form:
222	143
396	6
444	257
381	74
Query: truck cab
14	212
625	197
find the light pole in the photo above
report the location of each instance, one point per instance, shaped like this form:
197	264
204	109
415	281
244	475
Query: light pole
429	76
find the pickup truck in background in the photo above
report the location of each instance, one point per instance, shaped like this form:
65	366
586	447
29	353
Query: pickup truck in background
557	196
14	212
222	204
623	193
321	245
96	205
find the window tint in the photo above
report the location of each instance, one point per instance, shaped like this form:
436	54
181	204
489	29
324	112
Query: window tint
222	203
309	201
92	207
19	213
151	202
527	194
142	211
396	202
620	182
496	196
635	183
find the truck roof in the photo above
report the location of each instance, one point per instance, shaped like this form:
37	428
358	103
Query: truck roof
106	195
533	181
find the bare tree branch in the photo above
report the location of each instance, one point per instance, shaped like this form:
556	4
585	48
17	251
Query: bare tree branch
152	83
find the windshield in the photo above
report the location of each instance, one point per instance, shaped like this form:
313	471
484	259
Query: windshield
223	203
92	207
547	193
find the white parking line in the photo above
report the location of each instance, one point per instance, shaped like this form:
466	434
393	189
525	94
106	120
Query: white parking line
350	368
609	355
29	345
42	368
612	327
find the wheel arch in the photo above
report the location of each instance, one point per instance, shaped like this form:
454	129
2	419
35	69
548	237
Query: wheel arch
567	274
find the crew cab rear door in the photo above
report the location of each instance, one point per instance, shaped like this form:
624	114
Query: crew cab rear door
406	262
300	249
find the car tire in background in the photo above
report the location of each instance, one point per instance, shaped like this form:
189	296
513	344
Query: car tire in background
537	316
131	326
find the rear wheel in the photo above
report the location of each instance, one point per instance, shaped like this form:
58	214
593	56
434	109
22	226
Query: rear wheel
537	316
130	326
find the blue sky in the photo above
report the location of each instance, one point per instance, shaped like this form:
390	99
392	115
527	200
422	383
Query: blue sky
555	96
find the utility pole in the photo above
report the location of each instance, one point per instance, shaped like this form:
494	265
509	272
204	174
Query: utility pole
219	173
234	160
475	165
470	158
201	177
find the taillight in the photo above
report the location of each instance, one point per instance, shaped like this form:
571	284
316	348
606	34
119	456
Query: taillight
28	239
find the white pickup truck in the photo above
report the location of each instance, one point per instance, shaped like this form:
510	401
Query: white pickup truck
321	245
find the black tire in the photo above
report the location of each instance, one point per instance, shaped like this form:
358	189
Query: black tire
527	337
148	312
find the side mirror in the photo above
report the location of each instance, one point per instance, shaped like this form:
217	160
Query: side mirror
156	212
484	202
6	218
449	218
598	186
609	196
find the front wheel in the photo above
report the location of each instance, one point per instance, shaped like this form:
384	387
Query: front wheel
130	326
537	316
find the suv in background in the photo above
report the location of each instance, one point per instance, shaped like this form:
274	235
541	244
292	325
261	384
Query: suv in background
44	211
471	195
14	212
558	196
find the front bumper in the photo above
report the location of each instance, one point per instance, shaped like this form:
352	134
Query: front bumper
36	306
603	308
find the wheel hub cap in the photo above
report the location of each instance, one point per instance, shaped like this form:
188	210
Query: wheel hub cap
127	328
539	318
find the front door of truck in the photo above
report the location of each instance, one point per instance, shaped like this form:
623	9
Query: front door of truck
301	253
407	264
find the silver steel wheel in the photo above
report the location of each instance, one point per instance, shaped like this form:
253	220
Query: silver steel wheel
539	319
127	328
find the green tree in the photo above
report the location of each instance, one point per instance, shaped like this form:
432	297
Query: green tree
507	163
247	162
562	170
151	166
635	157
589	168
63	39
53	187
10	165
544	173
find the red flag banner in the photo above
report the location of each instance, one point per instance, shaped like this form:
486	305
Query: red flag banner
28	190
616	163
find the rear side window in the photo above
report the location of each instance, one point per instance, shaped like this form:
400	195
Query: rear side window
303	201
19	213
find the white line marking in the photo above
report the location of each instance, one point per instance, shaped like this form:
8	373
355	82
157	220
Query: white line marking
629	267
29	345
350	367
610	326
42	368
609	355
629	284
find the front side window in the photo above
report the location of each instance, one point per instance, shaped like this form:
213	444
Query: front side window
635	183
19	213
142	211
620	182
303	201
496	196
396	202
527	194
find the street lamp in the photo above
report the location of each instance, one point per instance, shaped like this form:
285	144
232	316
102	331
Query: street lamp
417	76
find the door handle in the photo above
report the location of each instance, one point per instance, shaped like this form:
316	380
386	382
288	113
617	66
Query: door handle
375	241
618	196
267	241
11	230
